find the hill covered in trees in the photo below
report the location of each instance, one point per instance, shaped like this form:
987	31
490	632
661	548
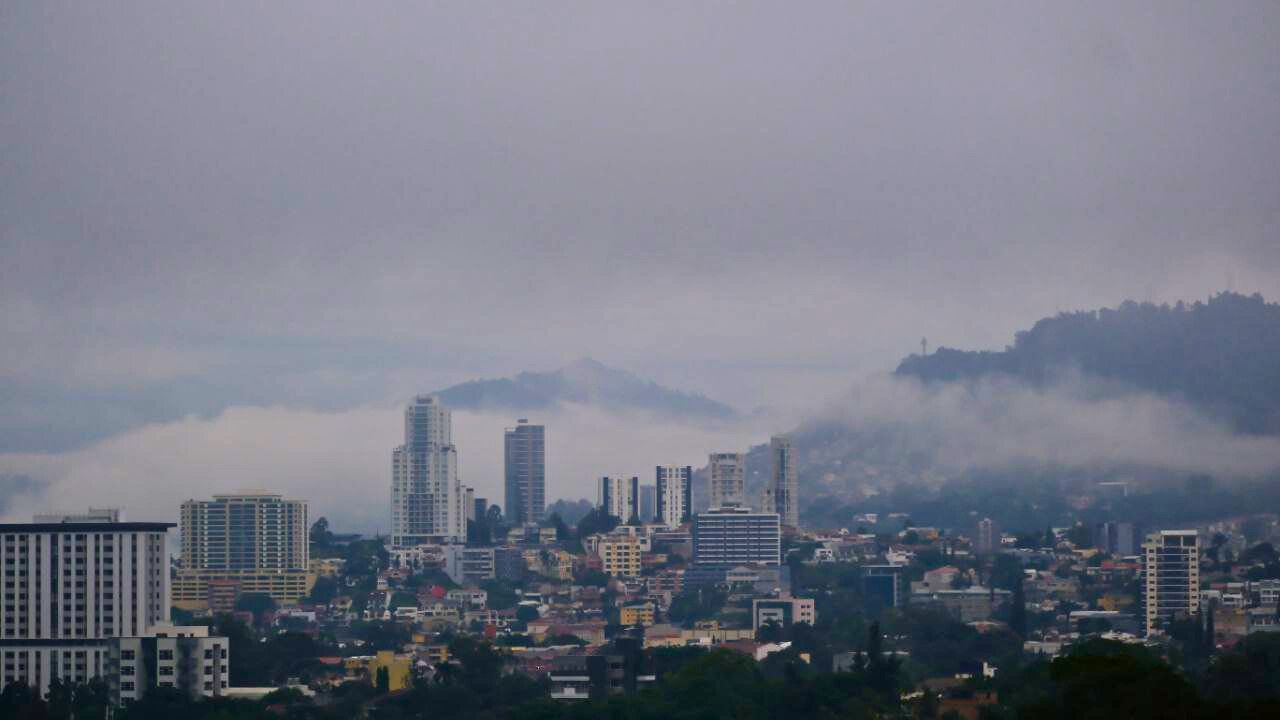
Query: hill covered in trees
1222	356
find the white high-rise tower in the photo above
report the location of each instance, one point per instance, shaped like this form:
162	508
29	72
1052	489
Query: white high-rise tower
426	494
727	479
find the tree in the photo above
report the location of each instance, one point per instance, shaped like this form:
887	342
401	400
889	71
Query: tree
383	680
320	534
1018	610
256	603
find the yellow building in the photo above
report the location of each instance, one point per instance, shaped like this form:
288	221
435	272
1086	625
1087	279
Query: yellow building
632	615
326	567
365	668
620	556
192	588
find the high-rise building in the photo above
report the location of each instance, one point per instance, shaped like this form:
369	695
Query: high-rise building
675	494
426	495
1117	538
186	658
256	541
70	587
526	473
648	503
1170	578
620	496
782	494
736	536
727	473
987	538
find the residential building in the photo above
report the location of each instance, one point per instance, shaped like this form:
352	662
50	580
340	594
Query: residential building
365	668
783	492
253	541
1117	538
1170	578
966	605
640	614
620	555
782	612
472	565
674	489
727	478
426	495
71	585
526	472
619	669
736	536
169	656
619	496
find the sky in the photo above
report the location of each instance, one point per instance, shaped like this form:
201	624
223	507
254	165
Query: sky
210	211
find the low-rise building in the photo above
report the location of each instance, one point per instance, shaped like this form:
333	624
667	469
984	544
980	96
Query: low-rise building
783	612
364	668
640	614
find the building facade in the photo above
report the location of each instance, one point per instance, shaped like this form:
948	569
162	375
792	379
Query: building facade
620	555
675	494
1170	578
736	536
782	612
783	493
620	496
70	587
426	495
526	472
173	656
986	538
885	583
727	478
249	542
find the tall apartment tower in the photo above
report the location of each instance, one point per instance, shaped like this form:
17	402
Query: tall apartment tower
675	494
782	495
987	538
727	479
1170	577
426	495
526	473
72	583
620	496
252	541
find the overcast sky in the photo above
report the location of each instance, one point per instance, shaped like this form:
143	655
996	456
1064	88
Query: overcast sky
321	206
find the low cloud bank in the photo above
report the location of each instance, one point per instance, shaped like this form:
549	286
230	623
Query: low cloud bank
341	461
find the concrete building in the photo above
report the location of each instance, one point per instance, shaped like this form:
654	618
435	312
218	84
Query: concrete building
636	614
173	656
885	583
472	565
620	555
986	539
736	536
525	453
70	587
1170	578
783	612
966	605
365	668
1117	538
254	541
782	496
620	496
727	478
648	503
674	489
619	669
426	495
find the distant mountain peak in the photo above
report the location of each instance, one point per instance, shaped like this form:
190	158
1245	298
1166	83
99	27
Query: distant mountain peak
586	381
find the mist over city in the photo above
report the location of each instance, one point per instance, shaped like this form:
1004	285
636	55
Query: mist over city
531	361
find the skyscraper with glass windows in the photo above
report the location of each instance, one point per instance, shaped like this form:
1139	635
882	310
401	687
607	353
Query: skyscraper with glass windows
526	473
782	494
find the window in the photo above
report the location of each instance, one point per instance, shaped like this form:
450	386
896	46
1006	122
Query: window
126	687
126	669
165	670
126	654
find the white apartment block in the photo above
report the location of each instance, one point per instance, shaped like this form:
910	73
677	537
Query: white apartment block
675	494
727	479
175	656
70	587
620	496
426	495
1170	577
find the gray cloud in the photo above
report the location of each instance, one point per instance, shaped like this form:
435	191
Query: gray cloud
322	206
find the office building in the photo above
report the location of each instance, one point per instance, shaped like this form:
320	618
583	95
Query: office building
1170	578
648	503
480	510
674	495
170	656
885	585
72	583
726	478
987	538
619	496
247	542
526	473
1117	538
736	536
782	612
426	495
782	494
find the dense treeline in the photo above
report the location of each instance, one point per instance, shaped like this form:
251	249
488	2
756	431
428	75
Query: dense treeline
1220	355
